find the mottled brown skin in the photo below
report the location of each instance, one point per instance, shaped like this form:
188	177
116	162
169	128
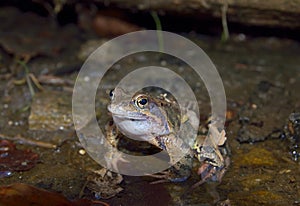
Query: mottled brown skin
157	120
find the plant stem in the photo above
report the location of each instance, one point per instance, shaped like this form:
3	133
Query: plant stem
158	30
225	33
31	89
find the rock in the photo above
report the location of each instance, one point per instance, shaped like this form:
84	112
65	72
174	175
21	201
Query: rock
256	157
51	111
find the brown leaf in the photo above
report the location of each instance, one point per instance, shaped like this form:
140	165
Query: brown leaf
26	195
108	26
12	159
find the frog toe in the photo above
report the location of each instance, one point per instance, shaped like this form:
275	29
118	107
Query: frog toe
168	176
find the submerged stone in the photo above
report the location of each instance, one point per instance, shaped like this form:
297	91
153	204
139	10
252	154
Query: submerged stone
51	111
256	157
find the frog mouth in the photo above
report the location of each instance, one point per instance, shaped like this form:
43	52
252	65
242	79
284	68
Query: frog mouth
130	117
127	115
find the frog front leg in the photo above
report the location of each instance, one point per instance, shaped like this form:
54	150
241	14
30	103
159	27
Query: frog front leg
177	173
181	170
112	134
113	157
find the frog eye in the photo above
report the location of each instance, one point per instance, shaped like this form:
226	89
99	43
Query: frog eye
111	94
141	102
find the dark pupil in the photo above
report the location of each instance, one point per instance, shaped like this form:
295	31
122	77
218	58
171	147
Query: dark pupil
143	101
111	93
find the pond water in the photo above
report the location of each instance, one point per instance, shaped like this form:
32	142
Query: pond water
261	77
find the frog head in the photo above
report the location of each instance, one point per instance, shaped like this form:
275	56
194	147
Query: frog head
141	117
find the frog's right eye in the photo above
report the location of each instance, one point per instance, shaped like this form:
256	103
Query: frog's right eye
111	94
141	102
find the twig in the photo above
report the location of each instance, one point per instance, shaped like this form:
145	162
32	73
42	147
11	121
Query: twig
5	76
54	80
81	193
22	140
36	81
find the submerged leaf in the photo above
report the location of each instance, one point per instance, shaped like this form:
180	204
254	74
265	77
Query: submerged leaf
12	159
26	195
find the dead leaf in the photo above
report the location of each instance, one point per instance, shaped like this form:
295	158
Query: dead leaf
26	195
12	159
109	26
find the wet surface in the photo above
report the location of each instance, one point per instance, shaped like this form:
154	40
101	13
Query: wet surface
261	77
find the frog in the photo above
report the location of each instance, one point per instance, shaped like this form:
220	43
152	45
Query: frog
157	119
291	131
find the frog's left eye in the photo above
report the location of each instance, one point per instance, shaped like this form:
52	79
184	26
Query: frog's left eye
141	102
111	94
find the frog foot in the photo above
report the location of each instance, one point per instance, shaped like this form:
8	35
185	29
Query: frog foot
113	159
169	176
211	172
163	176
